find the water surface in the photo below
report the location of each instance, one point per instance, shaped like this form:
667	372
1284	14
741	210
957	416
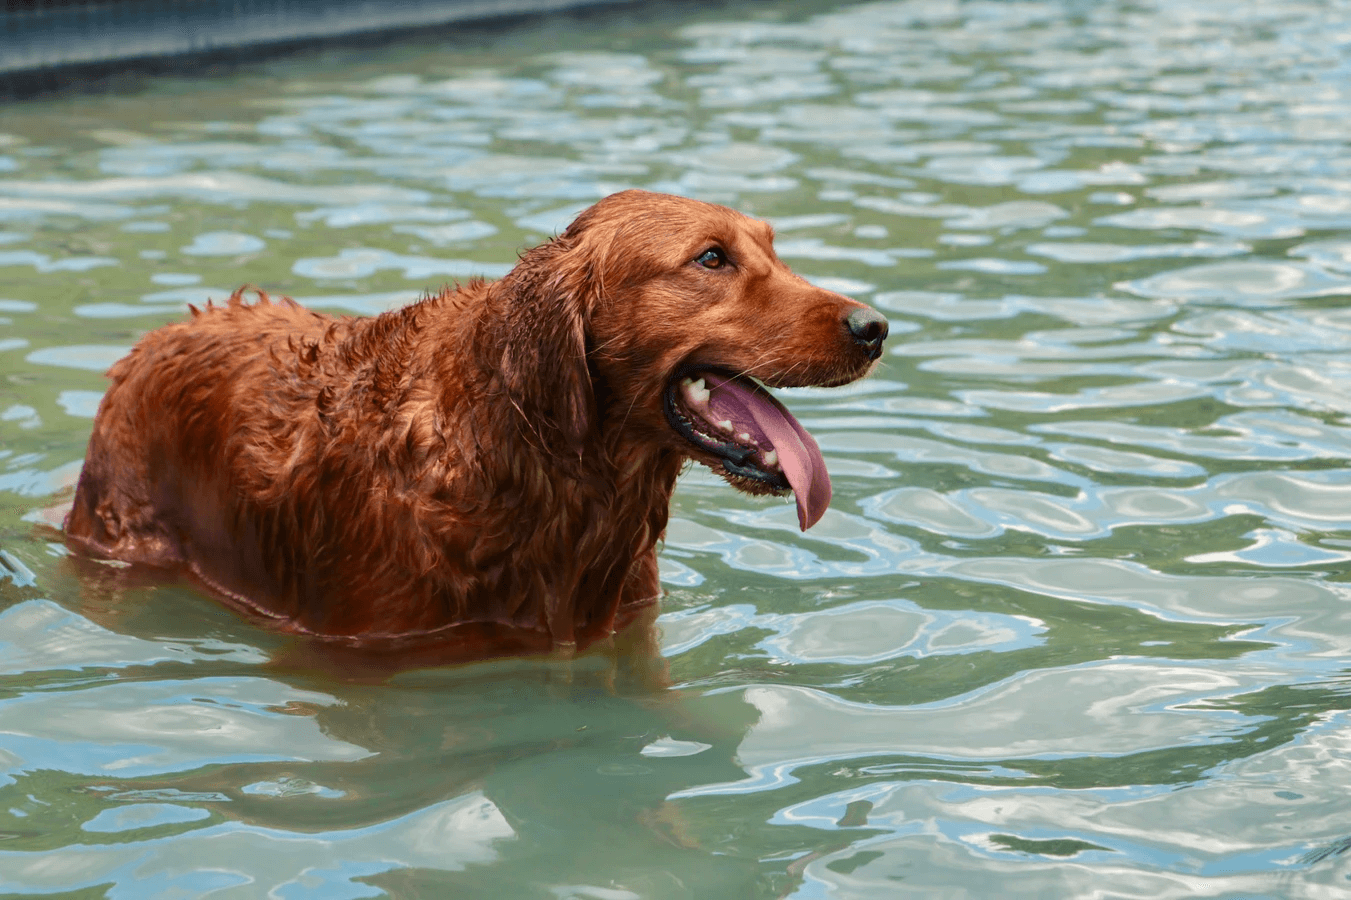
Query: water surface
1078	620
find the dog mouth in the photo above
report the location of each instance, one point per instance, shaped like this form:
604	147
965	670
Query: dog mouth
756	442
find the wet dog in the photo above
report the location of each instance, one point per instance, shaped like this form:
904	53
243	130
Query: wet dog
490	467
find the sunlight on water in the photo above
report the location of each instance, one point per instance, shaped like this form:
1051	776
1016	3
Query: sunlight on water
1074	625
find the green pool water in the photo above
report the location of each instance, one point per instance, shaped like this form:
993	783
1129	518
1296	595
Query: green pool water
1076	625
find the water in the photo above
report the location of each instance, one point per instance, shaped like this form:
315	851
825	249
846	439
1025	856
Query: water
1076	625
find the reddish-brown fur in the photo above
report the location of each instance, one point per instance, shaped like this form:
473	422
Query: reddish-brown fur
490	466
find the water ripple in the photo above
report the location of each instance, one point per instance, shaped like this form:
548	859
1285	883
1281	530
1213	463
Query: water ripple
1075	623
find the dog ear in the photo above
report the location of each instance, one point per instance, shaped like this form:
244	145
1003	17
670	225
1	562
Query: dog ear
549	298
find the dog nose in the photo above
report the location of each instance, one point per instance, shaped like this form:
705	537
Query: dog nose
869	329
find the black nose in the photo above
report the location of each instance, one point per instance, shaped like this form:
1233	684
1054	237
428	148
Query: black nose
868	328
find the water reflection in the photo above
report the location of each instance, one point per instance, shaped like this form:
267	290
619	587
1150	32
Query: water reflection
1074	623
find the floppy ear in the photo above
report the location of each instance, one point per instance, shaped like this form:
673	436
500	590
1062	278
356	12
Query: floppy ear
548	299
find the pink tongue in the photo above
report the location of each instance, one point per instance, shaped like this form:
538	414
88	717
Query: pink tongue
799	456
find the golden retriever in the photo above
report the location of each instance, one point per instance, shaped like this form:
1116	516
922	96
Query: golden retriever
489	468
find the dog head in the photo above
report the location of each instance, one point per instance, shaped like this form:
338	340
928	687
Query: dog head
670	318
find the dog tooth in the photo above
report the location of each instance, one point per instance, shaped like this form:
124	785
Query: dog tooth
771	458
725	425
744	437
697	394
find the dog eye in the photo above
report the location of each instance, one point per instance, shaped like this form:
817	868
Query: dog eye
712	258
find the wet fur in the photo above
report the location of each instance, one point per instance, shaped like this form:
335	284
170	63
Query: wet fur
490	465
